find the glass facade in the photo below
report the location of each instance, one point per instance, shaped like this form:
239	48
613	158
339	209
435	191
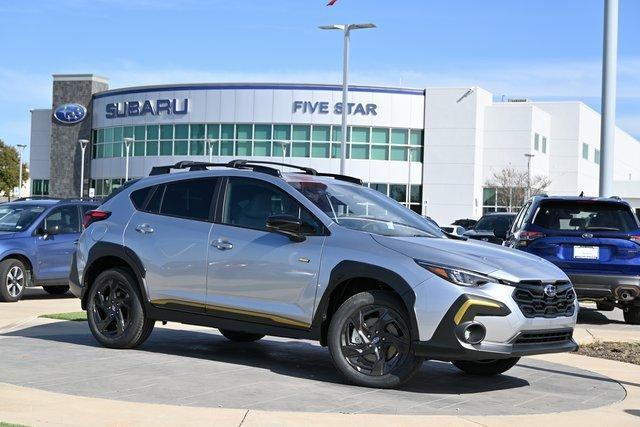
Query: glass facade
502	199
246	140
40	187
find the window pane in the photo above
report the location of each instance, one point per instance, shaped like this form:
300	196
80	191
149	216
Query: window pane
197	132
213	131
398	136
262	132
196	148
489	196
336	134
152	148
181	148
416	154
138	133
127	132
320	150
335	150
301	133
166	148
398	153
544	144
359	151
244	132
152	132
321	133
138	148
379	152
227	132
398	192
100	135
181	132
138	197
117	134
282	132
383	188
243	148
277	150
261	148
65	220
100	151
108	135
117	149
214	147
188	199
380	136
585	151
301	149
416	193
359	135
536	142
226	148
416	137
166	132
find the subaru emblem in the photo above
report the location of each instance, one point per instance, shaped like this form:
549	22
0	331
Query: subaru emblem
70	114
550	291
587	236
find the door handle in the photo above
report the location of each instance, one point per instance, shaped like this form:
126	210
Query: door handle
222	245
144	229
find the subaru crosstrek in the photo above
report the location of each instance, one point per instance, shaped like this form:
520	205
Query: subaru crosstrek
595	241
253	252
37	240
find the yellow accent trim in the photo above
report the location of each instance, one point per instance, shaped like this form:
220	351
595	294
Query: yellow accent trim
467	304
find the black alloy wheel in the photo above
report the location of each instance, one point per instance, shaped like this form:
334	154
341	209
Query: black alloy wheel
112	307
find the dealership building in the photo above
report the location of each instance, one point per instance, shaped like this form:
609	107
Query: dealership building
433	149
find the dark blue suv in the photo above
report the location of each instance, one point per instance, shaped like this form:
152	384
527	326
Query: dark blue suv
595	241
37	241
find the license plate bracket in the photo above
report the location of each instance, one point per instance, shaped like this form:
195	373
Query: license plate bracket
586	252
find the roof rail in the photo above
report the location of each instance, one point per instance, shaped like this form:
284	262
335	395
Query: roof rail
255	165
616	197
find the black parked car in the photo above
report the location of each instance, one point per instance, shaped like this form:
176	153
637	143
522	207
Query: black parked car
492	227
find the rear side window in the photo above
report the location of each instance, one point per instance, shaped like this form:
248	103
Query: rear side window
138	197
188	199
585	216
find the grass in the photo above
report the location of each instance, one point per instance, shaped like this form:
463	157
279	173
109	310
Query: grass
621	351
3	424
74	316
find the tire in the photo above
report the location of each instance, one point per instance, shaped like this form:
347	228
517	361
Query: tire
632	315
486	368
115	312
56	290
370	341
13	280
240	336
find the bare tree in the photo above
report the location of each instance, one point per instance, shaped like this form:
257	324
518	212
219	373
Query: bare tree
511	185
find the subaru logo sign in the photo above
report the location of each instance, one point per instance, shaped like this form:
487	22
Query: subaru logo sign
550	291
70	114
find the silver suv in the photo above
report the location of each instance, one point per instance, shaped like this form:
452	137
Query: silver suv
251	251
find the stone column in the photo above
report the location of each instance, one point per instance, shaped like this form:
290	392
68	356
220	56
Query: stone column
66	155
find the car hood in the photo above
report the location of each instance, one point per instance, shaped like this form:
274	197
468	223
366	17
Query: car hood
478	233
473	255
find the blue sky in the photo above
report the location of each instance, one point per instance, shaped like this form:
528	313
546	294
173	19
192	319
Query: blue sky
543	49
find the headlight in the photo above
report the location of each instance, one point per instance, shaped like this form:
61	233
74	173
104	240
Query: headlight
458	276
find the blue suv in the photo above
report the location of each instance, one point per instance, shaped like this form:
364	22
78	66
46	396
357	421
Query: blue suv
595	241
37	241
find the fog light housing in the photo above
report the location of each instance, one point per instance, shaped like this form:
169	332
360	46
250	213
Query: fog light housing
471	332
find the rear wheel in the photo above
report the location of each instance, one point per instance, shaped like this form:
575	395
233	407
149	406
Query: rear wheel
114	310
240	336
486	367
370	341
56	290
13	280
632	314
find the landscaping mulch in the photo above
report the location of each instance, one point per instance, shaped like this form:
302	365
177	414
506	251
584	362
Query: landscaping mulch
621	351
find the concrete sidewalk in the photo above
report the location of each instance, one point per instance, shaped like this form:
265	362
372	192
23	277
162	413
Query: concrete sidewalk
34	303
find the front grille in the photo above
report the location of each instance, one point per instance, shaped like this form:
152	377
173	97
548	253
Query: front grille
533	302
548	337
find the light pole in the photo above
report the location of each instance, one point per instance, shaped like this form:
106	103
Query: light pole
127	146
608	123
529	157
284	145
346	29
83	146
21	147
210	143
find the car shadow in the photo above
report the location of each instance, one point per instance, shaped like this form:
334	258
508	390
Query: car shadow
591	316
292	358
40	294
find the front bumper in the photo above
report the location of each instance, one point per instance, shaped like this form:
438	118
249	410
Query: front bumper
599	286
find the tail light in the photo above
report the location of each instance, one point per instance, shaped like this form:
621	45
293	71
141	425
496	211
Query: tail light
524	237
94	216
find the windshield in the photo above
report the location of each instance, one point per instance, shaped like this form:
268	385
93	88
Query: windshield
494	222
364	209
14	217
585	216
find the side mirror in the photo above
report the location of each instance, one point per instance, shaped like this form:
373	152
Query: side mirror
288	225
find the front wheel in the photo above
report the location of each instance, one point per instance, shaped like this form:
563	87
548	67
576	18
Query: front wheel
632	315
114	310
13	280
56	290
369	340
486	367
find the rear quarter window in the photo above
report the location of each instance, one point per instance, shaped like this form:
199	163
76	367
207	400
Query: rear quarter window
585	216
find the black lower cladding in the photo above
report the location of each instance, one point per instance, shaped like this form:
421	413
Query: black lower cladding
535	302
544	337
74	281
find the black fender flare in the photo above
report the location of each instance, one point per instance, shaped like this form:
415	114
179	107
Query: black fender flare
107	249
347	270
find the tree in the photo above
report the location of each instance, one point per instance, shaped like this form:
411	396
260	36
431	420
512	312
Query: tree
511	186
9	173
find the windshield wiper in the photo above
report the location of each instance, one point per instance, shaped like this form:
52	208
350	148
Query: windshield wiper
602	228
